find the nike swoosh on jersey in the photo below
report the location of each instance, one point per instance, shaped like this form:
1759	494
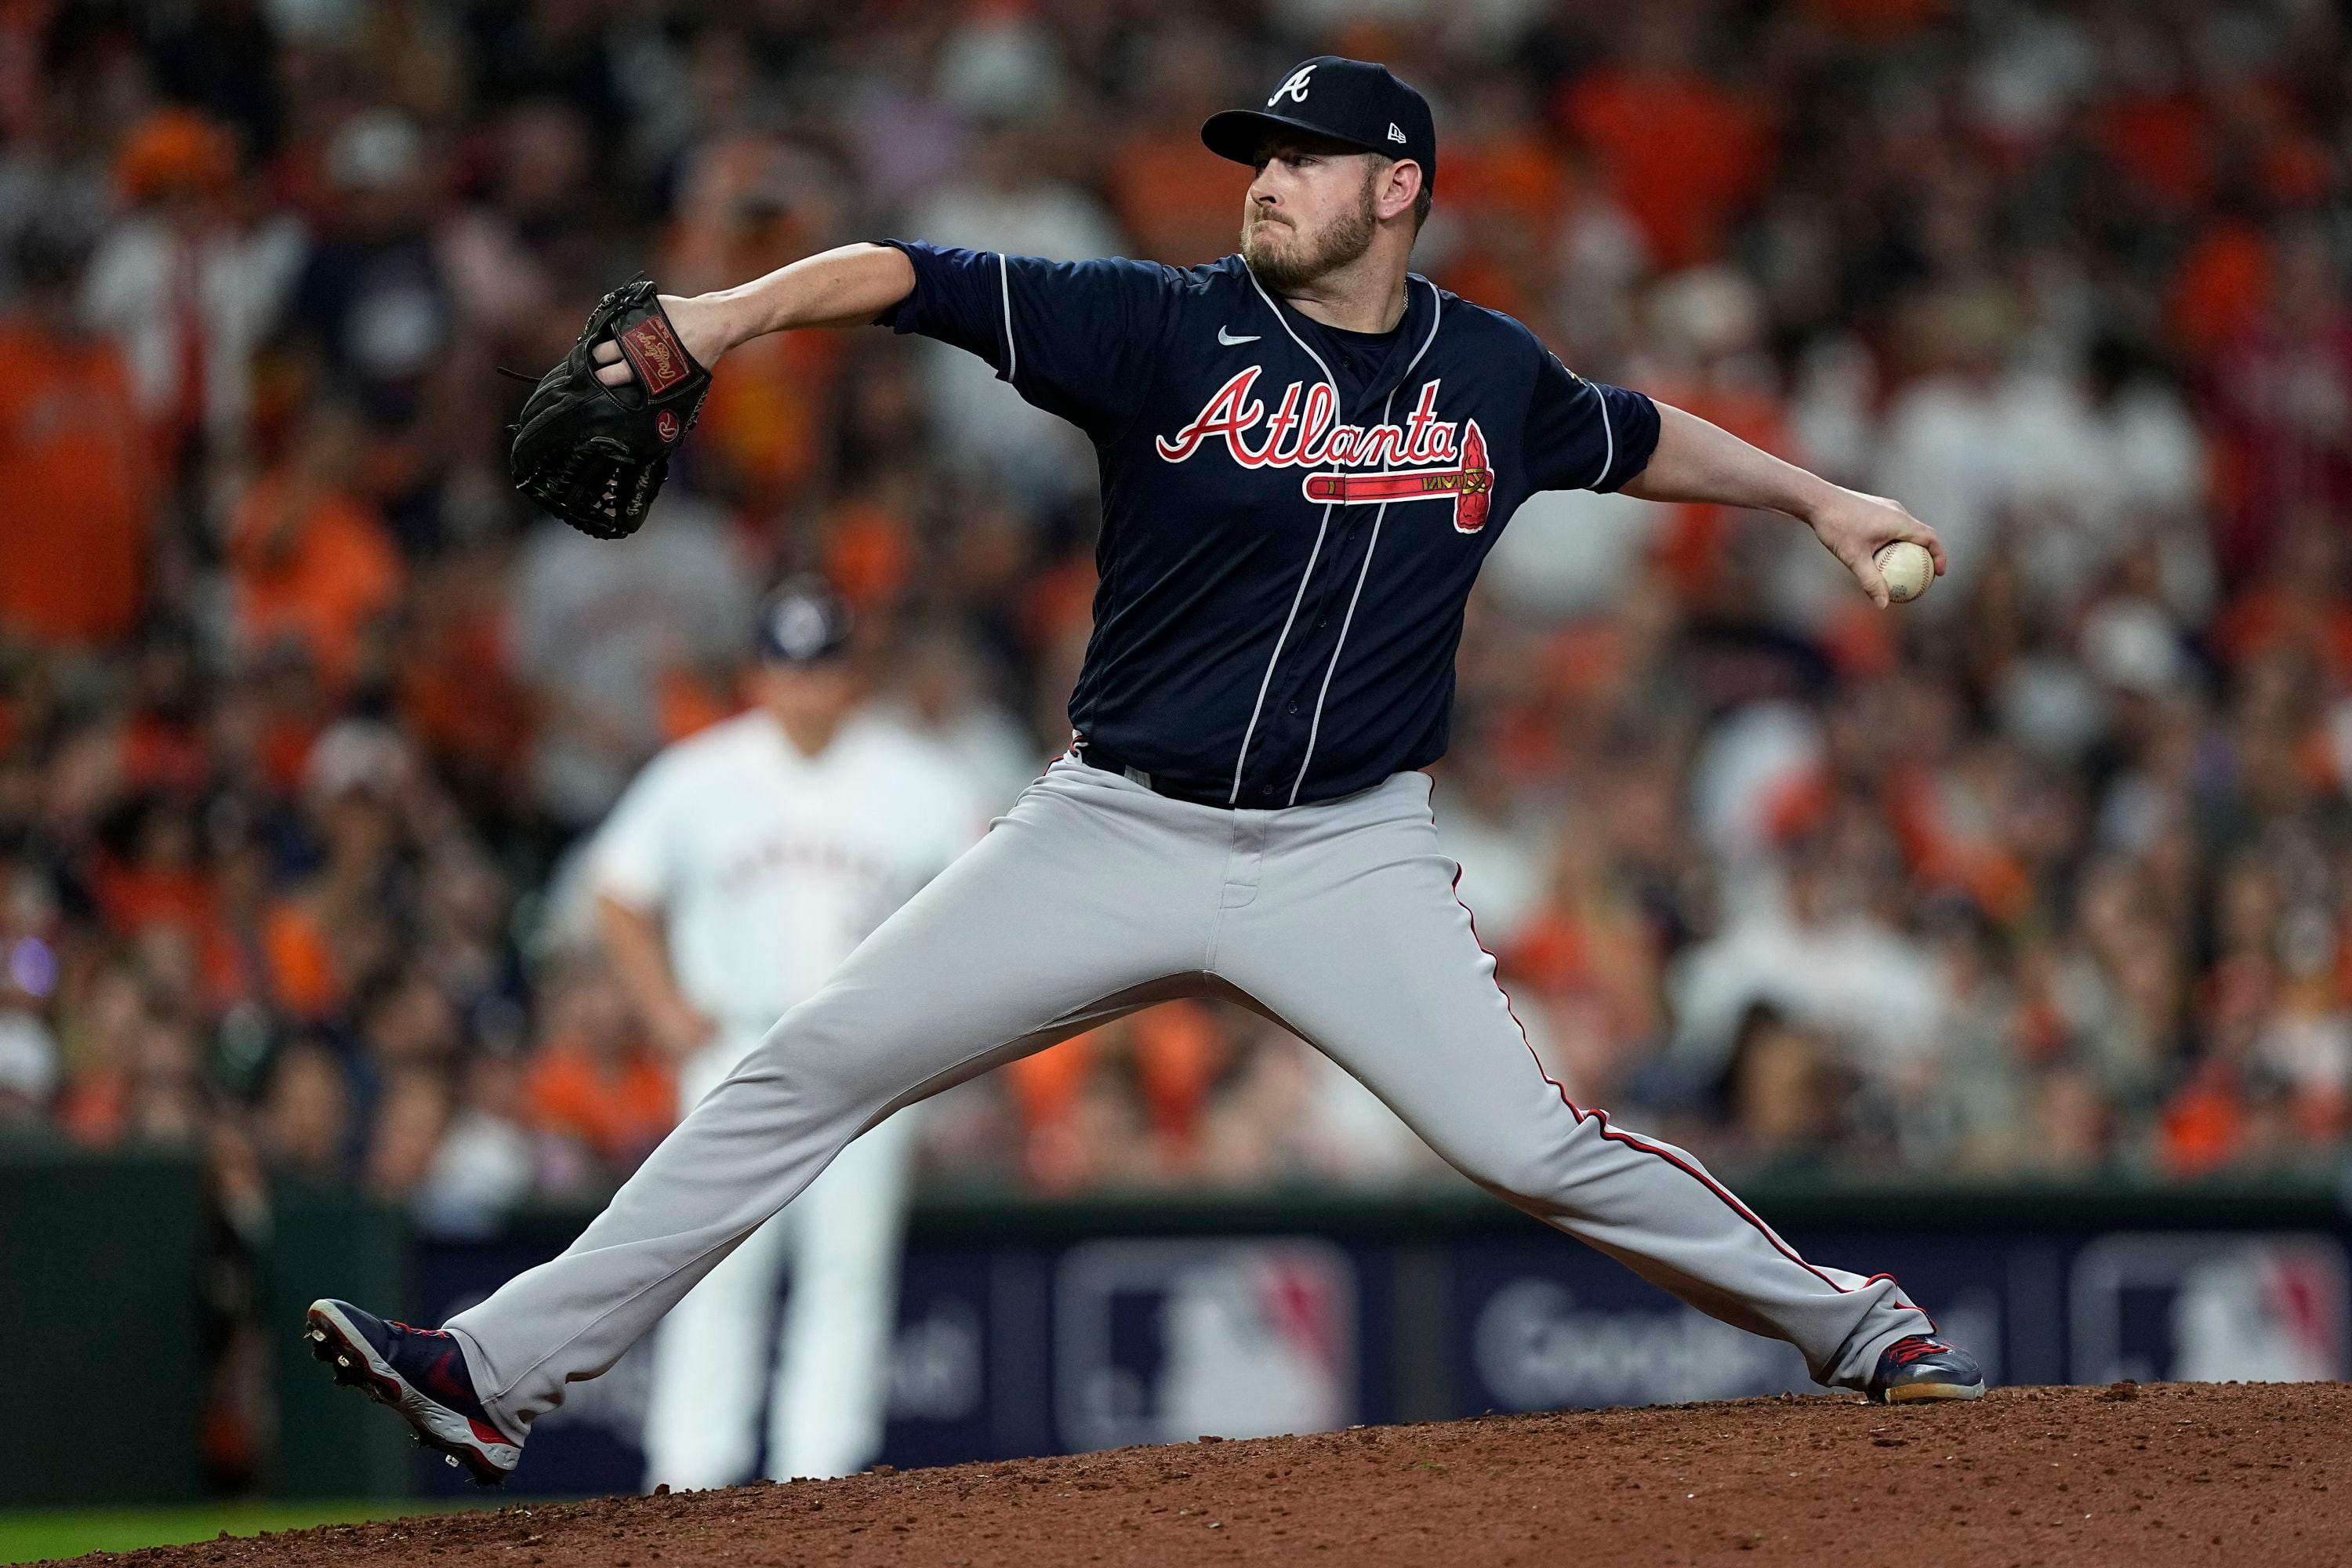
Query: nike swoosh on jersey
1230	341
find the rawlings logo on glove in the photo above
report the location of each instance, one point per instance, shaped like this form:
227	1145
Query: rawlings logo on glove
596	456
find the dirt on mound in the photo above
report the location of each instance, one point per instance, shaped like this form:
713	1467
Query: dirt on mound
2165	1474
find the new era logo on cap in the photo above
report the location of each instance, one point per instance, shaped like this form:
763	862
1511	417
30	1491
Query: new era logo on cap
1356	102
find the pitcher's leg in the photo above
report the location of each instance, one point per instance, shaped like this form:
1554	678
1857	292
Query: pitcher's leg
833	1359
1080	904
1366	951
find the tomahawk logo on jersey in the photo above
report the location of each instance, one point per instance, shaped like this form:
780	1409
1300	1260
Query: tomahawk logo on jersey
1293	515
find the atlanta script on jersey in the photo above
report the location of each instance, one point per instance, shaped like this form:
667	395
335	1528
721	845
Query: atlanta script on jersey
1310	435
1292	516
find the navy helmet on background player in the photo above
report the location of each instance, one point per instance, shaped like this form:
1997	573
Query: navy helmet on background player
803	621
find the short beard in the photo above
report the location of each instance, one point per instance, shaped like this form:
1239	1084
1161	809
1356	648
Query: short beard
1345	242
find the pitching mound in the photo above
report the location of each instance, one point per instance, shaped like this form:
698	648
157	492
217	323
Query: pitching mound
2175	1473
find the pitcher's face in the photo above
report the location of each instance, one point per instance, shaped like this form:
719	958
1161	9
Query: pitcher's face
1309	211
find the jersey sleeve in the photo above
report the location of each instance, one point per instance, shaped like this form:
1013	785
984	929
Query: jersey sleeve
1078	339
633	858
1582	435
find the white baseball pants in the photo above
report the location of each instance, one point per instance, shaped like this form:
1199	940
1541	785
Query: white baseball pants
828	1391
1094	896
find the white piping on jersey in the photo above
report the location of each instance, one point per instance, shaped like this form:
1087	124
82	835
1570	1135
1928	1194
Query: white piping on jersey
1316	727
1608	437
1005	280
1387	405
1234	795
1234	798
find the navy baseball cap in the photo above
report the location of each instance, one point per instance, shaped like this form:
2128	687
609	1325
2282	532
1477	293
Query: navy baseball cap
803	622
1357	103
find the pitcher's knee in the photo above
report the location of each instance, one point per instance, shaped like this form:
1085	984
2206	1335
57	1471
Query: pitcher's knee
819	1054
1517	1176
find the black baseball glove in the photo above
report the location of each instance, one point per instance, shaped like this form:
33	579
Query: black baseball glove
596	455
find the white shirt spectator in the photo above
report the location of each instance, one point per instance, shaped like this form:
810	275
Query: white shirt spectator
982	429
29	1064
1847	977
2090	480
596	624
134	290
1953	451
1569	554
486	1165
1505	861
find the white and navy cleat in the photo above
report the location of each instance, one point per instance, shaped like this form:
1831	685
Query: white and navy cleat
420	1374
1919	1368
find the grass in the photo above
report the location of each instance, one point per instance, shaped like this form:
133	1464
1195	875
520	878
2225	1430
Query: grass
30	1536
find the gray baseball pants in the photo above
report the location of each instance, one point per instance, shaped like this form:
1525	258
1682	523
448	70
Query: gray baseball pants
1094	896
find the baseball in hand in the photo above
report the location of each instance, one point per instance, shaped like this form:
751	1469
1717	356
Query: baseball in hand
1907	569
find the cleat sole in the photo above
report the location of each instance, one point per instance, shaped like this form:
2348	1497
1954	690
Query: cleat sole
1926	1393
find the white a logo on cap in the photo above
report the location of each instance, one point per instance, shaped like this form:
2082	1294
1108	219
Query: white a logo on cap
1294	89
1395	134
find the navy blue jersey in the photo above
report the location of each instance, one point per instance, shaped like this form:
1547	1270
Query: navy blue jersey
1285	552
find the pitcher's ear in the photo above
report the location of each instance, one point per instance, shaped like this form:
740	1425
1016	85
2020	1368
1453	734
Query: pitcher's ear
1400	191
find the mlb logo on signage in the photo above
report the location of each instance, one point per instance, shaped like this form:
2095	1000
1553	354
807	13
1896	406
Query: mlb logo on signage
1160	1342
2211	1308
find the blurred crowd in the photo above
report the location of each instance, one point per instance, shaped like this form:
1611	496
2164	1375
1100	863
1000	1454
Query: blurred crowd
304	717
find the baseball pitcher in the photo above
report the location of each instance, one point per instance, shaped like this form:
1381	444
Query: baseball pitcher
1306	452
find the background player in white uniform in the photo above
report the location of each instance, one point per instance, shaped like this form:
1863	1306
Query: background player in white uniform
738	871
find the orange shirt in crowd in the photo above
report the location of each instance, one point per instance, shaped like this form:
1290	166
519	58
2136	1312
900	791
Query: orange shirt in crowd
1514	188
1177	1050
455	692
161	753
77	484
1692	553
769	418
2219	289
2272	617
2203	1126
620	1110
1044	1084
134	898
869	550
1514	173
314	566
94	1107
1182	208
1681	155
1942	853
300	964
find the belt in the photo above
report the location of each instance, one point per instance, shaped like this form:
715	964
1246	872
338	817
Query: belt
1094	756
